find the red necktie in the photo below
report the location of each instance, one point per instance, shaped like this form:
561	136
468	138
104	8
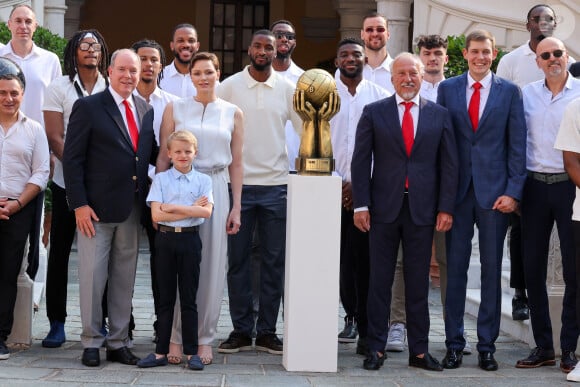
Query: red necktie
474	106
408	132
133	131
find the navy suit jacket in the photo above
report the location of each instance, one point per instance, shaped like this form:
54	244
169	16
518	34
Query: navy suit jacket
380	163
494	157
101	169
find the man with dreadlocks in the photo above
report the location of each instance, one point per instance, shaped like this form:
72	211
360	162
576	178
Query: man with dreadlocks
85	65
152	63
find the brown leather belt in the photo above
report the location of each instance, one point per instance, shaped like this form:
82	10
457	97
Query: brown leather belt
163	228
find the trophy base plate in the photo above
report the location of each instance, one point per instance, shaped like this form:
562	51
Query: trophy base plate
314	166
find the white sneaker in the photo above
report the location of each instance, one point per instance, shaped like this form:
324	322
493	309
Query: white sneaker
396	339
467	349
574	375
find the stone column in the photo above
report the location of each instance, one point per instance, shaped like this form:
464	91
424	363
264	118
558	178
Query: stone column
72	17
38	8
398	12
351	15
54	11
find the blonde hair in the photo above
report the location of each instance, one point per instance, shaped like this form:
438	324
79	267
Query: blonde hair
182	135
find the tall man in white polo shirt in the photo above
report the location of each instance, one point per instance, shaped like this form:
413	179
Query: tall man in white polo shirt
184	45
266	99
547	199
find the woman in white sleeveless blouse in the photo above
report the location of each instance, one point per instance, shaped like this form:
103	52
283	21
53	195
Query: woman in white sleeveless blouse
218	126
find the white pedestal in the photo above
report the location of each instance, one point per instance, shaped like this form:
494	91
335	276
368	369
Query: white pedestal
312	270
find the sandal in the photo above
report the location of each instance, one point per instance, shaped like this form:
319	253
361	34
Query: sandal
172	359
205	353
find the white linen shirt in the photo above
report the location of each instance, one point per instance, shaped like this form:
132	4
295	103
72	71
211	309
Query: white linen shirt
543	115
292	139
176	83
60	97
40	68
343	124
174	187
266	106
24	157
568	139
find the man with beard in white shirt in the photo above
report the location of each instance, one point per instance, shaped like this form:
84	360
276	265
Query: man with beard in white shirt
176	79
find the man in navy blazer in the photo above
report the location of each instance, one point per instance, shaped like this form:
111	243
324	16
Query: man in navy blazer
491	144
105	164
401	190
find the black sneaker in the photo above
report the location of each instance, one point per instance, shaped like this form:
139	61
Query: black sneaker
269	343
350	331
235	343
4	352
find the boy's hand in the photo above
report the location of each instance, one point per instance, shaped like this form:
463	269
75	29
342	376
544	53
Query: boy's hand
202	201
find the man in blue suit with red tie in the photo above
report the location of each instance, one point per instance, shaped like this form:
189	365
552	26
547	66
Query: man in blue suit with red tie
488	118
404	180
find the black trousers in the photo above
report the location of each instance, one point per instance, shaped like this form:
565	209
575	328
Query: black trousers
62	233
542	205
354	270
517	278
178	257
13	235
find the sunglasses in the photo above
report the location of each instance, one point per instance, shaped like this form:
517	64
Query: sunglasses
537	19
369	30
287	35
557	54
84	46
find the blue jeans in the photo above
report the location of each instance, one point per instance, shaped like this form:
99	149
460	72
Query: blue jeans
264	207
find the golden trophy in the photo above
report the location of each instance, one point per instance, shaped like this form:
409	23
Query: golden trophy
316	101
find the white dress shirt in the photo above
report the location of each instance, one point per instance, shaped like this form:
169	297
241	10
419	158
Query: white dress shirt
380	75
543	115
429	90
414	111
176	83
119	101
483	91
343	124
24	157
292	139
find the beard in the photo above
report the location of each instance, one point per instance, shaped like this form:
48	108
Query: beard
260	67
350	75
178	58
285	55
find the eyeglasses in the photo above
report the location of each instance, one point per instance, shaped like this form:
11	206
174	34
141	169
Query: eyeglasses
84	46
380	30
557	54
538	19
287	35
